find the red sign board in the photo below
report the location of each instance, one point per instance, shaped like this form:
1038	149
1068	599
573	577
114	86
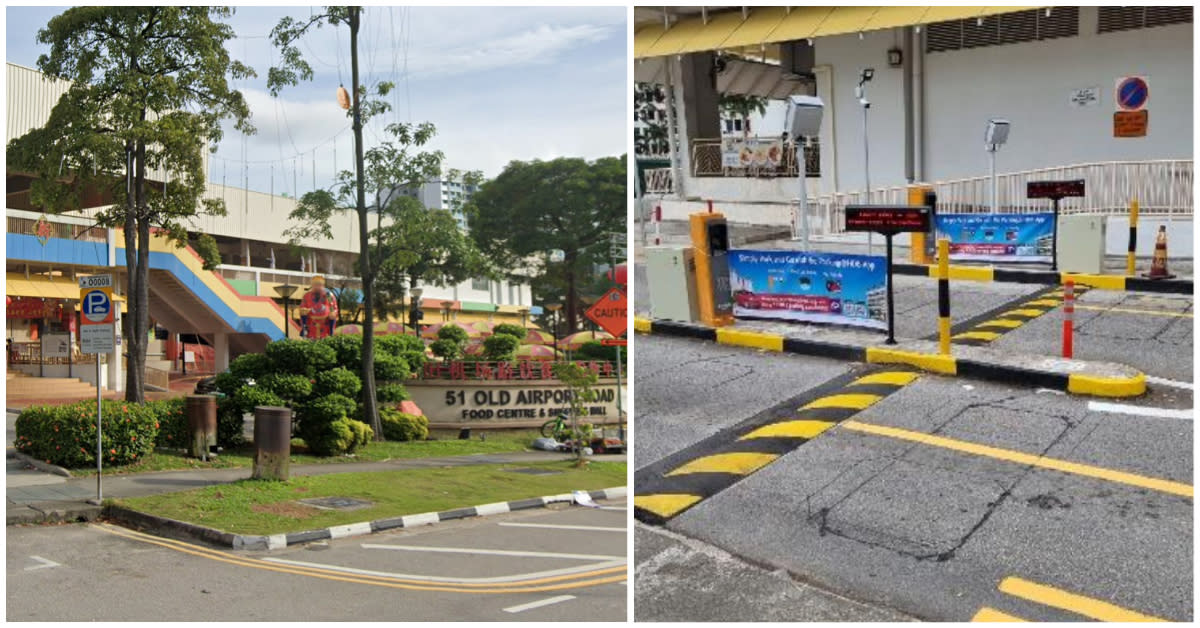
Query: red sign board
1054	189
887	219
611	312
614	342
24	307
1131	123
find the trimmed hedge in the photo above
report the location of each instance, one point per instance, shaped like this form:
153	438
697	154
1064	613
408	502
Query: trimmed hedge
509	329
500	347
390	368
341	381
347	350
398	426
301	357
287	387
392	393
66	435
172	422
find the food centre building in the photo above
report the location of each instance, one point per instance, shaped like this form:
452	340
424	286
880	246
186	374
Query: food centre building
1069	80
230	310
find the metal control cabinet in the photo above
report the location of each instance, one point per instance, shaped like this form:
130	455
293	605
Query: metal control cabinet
671	274
1081	241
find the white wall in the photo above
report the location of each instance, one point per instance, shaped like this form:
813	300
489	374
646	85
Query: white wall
1029	84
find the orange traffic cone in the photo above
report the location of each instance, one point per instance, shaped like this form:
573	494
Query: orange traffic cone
1158	267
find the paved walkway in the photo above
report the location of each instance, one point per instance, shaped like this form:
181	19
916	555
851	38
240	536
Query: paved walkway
34	496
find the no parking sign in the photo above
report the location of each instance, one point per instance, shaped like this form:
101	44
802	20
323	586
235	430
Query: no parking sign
96	303
1132	94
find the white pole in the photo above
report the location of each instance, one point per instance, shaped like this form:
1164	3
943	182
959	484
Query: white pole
995	199
99	439
802	168
867	172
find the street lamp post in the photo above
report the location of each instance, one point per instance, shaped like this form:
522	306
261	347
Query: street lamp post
286	291
414	313
861	93
554	307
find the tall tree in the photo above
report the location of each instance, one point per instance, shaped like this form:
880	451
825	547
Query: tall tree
537	206
404	232
743	106
149	88
291	70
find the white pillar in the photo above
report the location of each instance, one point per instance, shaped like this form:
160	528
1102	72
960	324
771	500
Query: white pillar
245	252
116	373
221	351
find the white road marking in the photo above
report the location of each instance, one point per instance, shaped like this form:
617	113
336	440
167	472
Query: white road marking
1120	408
546	602
553	526
1050	391
45	564
1162	381
491	552
444	579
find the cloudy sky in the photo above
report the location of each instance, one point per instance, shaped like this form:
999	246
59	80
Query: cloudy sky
500	83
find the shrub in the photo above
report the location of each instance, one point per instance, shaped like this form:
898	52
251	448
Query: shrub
301	357
500	347
509	329
347	351
392	393
247	397
340	380
415	360
390	368
363	434
326	409
453	333
248	366
172	422
446	349
399	426
593	350
287	387
397	344
231	424
329	439
66	435
227	382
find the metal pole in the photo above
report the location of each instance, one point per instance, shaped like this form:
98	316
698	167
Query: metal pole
943	249
1130	257
867	177
802	169
995	198
891	304
1054	240
1068	343
620	412
99	440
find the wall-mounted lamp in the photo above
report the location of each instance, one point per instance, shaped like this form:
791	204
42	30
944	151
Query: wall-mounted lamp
895	57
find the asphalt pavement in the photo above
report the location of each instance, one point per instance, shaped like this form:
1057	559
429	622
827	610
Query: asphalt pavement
946	500
563	564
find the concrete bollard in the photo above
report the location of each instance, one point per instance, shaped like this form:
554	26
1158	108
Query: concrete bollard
202	424
272	442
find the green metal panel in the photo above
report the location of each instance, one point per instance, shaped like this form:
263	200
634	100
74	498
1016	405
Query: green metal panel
472	306
246	287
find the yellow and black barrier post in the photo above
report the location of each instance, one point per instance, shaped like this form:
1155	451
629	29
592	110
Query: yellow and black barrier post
943	260
710	243
1130	257
921	242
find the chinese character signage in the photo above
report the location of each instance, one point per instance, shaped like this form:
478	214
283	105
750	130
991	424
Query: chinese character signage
813	287
998	237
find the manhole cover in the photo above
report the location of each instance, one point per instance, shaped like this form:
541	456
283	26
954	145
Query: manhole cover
535	471
337	503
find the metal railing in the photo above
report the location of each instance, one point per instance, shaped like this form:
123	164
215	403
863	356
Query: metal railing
659	181
31	353
519	370
1163	188
54	229
707	162
158	378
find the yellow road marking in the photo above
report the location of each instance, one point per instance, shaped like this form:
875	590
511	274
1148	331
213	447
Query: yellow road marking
895	378
944	364
1028	313
1045	302
1072	602
665	505
790	429
1124	310
394	583
1102	282
856	401
752	339
991	614
1120	477
1002	322
641	325
977	335
739	463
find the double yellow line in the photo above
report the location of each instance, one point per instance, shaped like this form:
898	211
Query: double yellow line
1060	599
596	577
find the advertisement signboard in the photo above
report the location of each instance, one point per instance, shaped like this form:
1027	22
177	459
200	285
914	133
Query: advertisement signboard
813	287
751	152
998	237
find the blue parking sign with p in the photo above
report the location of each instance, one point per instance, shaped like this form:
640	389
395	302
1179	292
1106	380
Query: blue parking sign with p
97	306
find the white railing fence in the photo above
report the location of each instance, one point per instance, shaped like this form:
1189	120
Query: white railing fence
1163	188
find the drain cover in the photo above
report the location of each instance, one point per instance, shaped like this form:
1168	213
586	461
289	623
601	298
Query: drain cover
337	503
535	471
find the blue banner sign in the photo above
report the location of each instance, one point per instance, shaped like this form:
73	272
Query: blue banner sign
814	287
998	237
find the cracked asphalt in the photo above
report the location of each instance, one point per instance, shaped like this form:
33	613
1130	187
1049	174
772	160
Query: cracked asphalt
858	526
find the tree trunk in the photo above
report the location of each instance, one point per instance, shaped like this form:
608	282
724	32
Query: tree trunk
571	296
134	378
370	410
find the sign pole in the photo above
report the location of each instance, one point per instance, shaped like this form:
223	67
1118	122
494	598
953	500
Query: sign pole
620	411
1054	240
96	337
99	438
891	302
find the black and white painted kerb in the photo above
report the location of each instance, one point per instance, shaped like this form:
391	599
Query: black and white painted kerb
276	541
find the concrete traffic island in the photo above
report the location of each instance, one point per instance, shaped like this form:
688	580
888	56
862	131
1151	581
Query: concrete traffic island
1081	377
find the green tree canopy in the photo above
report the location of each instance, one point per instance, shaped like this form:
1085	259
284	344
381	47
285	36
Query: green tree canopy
149	89
534	207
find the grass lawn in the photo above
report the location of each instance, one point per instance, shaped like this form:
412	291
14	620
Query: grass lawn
265	507
447	444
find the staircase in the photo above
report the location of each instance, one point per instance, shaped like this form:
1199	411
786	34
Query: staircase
22	388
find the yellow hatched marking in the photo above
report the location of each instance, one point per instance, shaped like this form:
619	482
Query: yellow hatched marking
993	615
790	429
1027	313
1072	602
977	335
1002	322
855	401
738	463
1019	457
895	378
1045	302
665	505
